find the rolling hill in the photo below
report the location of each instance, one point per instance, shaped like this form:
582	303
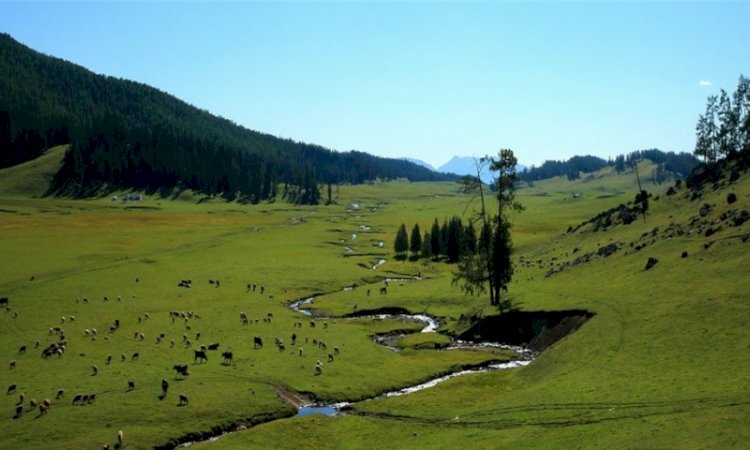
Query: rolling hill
128	135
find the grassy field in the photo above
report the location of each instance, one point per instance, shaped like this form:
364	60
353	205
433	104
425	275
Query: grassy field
663	364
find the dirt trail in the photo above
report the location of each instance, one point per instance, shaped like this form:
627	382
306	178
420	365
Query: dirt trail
295	399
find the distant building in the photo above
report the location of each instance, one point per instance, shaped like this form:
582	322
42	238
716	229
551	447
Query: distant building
133	197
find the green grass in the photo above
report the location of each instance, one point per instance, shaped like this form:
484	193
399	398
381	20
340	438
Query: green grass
662	363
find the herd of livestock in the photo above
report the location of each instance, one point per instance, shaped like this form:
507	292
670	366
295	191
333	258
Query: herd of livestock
200	353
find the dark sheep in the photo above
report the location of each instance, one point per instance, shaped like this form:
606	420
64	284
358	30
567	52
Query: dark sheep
22	349
257	342
213	346
181	369
135	356
60	394
183	400
5	301
227	357
383	290
77	398
19	411
92	398
200	355
11	388
12	364
131	385
43	410
164	386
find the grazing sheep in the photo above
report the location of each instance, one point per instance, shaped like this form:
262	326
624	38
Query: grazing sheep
164	387
200	355
43	410
335	350
12	364
11	388
171	343
142	336
19	411
318	368
257	342
33	403
109	359
92	398
123	357
131	385
22	349
77	398
301	351
47	402
94	370
84	399
294	339
227	358
93	331
72	318
86	332
60	394
181	369
36	344
183	400
213	346
62	319
383	290
146	316
119	438
135	356
21	398
197	336
330	357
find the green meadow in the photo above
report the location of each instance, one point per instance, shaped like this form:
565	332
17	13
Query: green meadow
662	364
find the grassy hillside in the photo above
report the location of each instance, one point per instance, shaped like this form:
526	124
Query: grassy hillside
32	178
661	364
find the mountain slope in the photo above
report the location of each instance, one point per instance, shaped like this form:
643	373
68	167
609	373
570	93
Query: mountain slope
131	135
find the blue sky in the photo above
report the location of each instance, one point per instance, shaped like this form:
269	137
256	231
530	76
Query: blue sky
426	80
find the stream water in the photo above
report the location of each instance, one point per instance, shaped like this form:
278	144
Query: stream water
525	357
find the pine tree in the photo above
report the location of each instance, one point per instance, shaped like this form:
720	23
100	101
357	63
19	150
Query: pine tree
415	243
401	244
427	245
435	241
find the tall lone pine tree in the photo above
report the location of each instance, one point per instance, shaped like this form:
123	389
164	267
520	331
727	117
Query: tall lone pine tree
491	268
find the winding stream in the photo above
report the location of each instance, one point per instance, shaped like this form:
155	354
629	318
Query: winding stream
525	357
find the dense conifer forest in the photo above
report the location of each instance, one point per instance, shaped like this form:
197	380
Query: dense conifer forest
124	134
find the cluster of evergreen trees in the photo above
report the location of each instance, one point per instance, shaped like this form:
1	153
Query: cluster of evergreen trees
129	135
678	163
724	129
450	241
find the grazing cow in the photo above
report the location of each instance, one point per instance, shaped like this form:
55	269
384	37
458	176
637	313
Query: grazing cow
77	398
213	346
200	355
131	385
164	387
135	356
183	400
182	369
60	394
257	342
227	358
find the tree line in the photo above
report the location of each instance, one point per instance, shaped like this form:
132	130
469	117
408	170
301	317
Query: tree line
450	241
676	163
125	134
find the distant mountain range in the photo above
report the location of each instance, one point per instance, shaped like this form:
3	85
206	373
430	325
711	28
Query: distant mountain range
461	165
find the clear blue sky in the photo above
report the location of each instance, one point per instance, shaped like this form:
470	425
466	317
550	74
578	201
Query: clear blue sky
419	79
